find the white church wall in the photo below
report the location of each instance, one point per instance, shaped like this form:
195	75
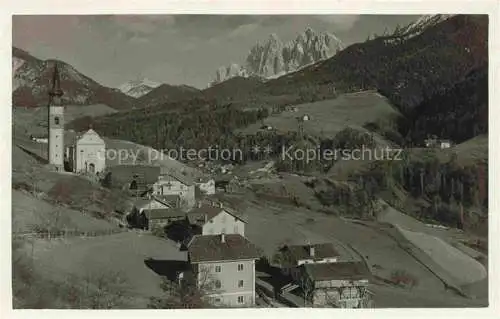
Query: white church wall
90	153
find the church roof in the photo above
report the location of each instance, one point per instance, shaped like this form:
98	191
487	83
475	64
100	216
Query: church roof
71	137
89	134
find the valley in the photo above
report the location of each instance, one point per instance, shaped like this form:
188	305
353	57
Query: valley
417	223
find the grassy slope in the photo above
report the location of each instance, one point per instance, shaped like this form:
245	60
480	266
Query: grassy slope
124	253
34	120
270	226
331	116
76	258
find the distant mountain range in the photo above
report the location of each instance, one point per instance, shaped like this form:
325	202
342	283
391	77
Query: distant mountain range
273	58
31	84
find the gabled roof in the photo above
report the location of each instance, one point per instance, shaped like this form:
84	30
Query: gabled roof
337	271
321	251
143	202
170	200
210	248
163	213
90	134
184	179
197	214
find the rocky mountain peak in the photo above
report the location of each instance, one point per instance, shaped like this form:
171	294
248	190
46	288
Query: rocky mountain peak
272	58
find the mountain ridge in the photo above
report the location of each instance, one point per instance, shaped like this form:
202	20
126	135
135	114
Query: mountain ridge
272	58
31	84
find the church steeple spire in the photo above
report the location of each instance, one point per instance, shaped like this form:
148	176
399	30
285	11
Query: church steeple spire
56	83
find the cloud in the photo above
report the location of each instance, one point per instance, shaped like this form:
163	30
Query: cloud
342	22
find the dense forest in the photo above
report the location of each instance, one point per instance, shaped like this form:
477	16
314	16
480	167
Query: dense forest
458	113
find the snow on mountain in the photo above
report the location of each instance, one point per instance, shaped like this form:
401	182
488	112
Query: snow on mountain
138	88
421	24
272	57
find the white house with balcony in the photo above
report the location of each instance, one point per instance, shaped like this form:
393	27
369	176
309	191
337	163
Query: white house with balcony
224	268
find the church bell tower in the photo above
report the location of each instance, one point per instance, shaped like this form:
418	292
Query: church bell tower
56	123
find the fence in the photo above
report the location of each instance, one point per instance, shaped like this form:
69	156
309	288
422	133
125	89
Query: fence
67	233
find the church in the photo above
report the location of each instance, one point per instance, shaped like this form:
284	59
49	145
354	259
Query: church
87	153
84	153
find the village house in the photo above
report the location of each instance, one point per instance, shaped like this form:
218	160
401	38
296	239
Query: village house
291	257
339	285
209	220
153	212
43	140
224	267
206	185
157	181
169	182
434	142
156	202
87	153
158	218
138	179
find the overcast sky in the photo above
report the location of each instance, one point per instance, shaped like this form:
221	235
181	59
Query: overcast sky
180	49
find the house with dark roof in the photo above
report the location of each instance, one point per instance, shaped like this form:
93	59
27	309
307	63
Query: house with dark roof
157	218
291	257
224	266
339	285
206	219
148	213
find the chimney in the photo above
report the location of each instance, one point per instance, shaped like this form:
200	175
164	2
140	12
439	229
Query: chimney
222	238
311	250
206	218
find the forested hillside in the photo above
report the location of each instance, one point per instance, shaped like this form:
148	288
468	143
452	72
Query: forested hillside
458	113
